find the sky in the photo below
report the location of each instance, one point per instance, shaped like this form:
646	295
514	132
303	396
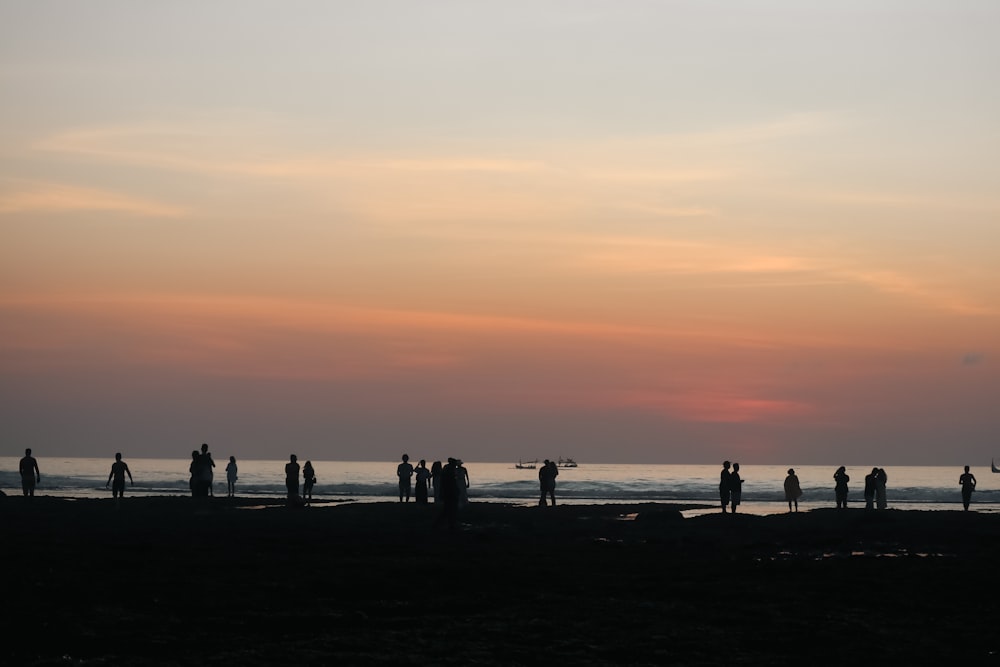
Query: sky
636	232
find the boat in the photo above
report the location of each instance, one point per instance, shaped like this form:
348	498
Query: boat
526	465
567	463
993	466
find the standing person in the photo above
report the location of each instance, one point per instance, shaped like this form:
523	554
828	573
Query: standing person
308	480
207	474
404	471
292	479
194	469
841	478
462	479
725	485
793	491
30	475
735	487
870	483
423	481
118	470
880	480
968	483
547	481
449	494
231	471
436	469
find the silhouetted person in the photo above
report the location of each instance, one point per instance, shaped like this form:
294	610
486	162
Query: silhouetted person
206	474
449	494
423	481
404	471
118	471
735	487
968	482
880	481
793	491
725	485
462	479
194	469
231	476
436	469
841	478
870	482
547	481
292	479
30	475
308	479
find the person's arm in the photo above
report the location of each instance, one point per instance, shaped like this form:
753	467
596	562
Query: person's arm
130	481
38	475
110	475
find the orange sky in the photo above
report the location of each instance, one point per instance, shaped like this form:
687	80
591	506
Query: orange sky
502	235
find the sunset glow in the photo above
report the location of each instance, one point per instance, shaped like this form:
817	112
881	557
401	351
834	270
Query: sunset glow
664	232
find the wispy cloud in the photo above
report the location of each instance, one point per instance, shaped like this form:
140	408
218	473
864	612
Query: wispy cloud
27	197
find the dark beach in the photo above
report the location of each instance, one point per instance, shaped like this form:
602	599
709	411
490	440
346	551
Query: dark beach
164	581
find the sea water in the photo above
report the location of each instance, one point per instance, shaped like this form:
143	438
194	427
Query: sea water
909	487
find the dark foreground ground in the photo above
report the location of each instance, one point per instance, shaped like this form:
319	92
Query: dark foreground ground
162	581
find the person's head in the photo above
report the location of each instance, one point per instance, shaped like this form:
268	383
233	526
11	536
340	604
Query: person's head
293	458
841	469
204	447
406	457
118	456
451	461
194	453
232	459
874	471
726	464
436	465
309	464
27	452
966	468
736	466
791	471
422	464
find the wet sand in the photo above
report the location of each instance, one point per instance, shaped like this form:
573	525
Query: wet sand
164	581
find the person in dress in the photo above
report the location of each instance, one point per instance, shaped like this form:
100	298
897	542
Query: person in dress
423	476
436	469
735	487
118	471
968	483
462	479
870	484
28	467
793	491
841	478
231	476
880	481
308	480
724	485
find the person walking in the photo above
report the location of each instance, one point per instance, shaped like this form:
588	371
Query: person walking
968	483
28	467
793	491
118	471
841	478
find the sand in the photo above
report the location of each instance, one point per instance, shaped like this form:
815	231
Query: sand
164	581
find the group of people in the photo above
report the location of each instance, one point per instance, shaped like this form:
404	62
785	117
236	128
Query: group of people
730	486
434	482
292	469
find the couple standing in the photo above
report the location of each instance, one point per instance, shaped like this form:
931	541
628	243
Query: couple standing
730	486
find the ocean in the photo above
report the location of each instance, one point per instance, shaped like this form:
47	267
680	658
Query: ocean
909	487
